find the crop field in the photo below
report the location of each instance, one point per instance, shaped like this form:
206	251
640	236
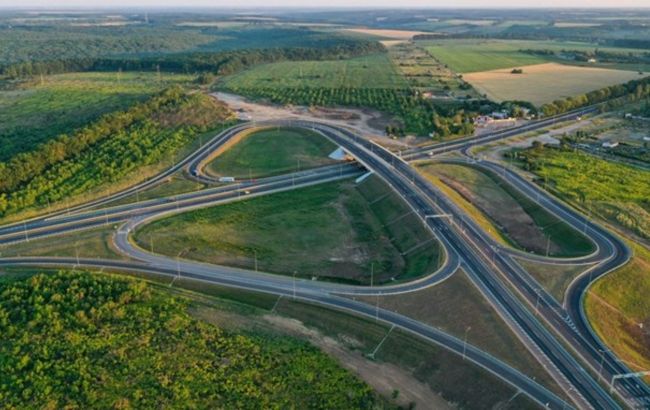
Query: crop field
337	231
619	309
34	112
544	83
426	74
525	224
273	151
374	71
476	55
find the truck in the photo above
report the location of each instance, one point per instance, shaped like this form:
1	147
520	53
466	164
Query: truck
226	179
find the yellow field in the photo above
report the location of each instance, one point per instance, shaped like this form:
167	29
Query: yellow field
543	83
392	34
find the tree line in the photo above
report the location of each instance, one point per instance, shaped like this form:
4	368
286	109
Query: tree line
220	63
614	96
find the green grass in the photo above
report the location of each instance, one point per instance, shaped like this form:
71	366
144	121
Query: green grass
616	192
480	55
554	278
618	308
335	231
273	151
457	307
63	332
93	243
522	221
34	112
474	55
373	71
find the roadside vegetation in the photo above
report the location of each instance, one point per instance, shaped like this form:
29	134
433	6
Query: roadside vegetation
107	150
520	220
618	308
336	231
273	151
614	191
62	332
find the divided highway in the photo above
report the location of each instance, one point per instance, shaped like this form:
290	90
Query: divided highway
492	269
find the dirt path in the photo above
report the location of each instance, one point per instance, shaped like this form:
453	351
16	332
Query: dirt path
383	377
369	122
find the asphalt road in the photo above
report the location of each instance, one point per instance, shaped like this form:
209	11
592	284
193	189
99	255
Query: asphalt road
464	243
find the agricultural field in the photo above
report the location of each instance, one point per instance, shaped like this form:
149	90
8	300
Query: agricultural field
337	231
33	112
616	192
544	83
426	74
477	55
618	308
373	71
525	224
142	341
273	151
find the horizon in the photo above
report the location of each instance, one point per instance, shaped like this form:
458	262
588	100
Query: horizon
151	5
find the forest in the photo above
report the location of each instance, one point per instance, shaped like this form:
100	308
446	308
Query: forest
64	335
107	149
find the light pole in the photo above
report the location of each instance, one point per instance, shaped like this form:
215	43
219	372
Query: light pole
294	285
255	252
465	341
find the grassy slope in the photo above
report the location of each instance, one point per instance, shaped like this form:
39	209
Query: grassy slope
374	71
329	231
141	343
618	308
526	224
554	278
273	151
457	307
35	112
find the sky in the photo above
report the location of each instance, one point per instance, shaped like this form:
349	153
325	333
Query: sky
322	3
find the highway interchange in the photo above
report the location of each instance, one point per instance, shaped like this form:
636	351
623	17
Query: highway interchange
558	334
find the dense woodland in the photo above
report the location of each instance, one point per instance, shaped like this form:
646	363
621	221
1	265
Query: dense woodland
66	334
106	150
222	63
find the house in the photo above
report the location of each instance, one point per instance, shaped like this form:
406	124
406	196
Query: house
500	115
610	144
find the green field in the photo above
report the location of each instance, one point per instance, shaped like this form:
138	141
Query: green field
616	192
524	223
76	340
618	308
474	55
373	71
273	151
34	112
337	231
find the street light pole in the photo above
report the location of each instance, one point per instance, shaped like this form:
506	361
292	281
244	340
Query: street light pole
465	341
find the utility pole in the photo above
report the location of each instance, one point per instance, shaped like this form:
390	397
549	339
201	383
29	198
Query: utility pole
255	252
372	274
548	244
